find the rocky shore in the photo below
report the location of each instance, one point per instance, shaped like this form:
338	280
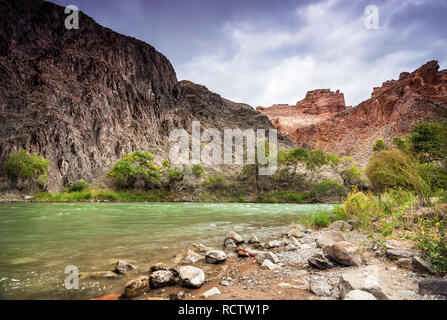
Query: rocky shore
335	263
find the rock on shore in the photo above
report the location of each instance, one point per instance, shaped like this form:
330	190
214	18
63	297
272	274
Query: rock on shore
191	276
137	287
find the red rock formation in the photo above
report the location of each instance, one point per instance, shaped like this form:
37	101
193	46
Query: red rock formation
393	109
316	106
322	102
321	120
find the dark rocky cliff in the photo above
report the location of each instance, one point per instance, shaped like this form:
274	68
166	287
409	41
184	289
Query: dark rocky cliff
84	97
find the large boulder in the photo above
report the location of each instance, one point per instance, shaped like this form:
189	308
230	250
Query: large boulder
215	256
416	264
435	286
200	248
340	225
421	265
189	257
359	295
246	252
268	265
274	244
395	254
261	256
191	276
229	244
366	279
122	267
330	237
162	266
209	293
235	237
253	240
293	241
162	278
296	233
320	262
319	287
136	287
343	252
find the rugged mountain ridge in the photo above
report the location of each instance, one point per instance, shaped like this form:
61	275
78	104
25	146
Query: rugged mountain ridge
83	98
393	109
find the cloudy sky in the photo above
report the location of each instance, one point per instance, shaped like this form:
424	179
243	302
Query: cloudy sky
273	51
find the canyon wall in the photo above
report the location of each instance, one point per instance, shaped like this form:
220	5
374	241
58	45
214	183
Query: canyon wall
393	109
83	98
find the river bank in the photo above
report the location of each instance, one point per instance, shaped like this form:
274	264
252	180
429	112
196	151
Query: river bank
39	240
297	264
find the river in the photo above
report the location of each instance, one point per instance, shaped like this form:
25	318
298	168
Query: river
39	240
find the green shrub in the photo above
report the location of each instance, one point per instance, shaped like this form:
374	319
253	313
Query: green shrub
107	195
315	160
216	183
174	174
431	239
42	181
291	157
123	195
166	164
332	158
361	207
70	197
434	175
380	145
79	196
327	186
321	218
31	167
197	170
292	197
240	199
351	174
429	140
401	144
136	170
383	214
25	165
396	202
393	169
77	186
281	197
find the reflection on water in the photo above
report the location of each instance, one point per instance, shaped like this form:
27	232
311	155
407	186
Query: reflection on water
37	241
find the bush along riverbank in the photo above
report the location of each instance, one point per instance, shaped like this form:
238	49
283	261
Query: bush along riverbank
304	176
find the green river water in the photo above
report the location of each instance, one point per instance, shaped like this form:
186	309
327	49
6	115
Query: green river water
38	240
